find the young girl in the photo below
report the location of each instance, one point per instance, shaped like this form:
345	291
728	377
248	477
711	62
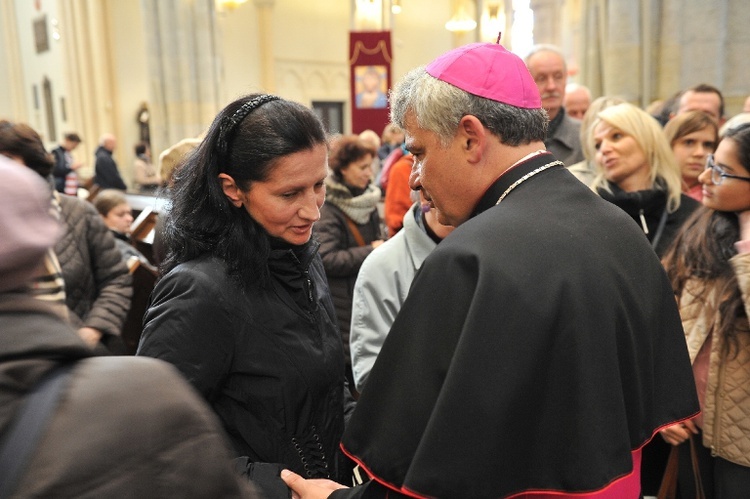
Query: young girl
709	267
692	137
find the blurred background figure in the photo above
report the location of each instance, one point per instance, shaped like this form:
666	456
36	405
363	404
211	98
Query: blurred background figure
175	155
136	413
107	175
398	197
701	97
147	178
117	214
577	100
85	270
372	139
692	136
349	227
66	167
391	139
709	267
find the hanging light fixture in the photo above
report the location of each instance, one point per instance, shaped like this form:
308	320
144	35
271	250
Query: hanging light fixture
461	21
493	20
228	5
396	6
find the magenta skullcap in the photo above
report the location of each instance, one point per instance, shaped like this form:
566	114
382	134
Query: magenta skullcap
490	71
27	227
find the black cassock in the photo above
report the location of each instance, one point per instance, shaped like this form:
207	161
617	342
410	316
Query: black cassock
539	349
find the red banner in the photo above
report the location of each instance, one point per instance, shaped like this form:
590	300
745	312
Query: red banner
370	73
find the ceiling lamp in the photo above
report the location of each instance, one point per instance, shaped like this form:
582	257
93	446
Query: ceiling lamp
396	6
228	5
461	21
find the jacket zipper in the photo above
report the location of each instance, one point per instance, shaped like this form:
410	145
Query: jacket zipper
643	221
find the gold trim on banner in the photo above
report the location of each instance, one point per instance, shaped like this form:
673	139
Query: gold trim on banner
360	47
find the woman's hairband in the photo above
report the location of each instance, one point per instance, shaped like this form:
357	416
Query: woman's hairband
229	124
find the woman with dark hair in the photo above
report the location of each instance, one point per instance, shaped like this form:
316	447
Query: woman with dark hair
350	226
243	308
709	267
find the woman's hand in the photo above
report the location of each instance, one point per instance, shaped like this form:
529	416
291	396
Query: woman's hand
309	489
90	335
744	218
679	432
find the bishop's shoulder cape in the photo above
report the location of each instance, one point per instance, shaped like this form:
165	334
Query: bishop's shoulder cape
539	349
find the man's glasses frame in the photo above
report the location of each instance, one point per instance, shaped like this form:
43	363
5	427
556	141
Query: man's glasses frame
718	174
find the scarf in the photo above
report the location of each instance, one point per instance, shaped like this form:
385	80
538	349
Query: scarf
48	284
357	207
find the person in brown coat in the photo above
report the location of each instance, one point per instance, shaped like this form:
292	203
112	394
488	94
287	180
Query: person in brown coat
123	426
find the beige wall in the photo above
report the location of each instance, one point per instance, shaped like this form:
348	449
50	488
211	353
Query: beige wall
101	63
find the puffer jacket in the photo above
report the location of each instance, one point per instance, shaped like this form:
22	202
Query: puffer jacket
726	415
123	427
97	284
268	360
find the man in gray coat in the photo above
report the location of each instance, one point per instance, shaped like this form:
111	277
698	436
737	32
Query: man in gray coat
547	66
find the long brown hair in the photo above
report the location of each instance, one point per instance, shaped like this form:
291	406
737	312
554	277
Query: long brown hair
701	252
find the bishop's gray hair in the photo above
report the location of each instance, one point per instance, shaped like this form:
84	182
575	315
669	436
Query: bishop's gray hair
439	106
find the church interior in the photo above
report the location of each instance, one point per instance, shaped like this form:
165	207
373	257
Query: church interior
164	68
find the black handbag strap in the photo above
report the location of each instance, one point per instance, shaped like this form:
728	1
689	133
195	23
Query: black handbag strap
24	433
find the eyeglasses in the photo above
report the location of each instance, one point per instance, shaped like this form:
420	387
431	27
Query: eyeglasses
718	174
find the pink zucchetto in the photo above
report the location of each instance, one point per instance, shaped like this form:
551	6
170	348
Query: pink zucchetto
488	70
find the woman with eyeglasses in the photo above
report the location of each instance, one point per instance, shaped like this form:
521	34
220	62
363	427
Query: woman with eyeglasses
692	136
637	171
709	267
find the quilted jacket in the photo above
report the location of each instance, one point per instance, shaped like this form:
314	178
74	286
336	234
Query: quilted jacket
726	415
97	284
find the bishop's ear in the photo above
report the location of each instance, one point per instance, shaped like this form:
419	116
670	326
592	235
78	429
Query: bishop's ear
231	190
473	135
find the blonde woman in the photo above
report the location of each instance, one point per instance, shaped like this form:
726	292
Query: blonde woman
637	171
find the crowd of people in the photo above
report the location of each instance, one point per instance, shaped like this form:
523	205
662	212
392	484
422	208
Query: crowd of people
519	289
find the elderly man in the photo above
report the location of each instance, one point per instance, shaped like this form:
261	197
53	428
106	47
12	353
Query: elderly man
550	72
577	100
106	173
540	346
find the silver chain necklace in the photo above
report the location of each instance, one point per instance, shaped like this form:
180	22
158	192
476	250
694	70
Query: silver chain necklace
526	177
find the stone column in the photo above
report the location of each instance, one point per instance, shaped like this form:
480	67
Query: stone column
86	49
17	95
184	66
265	44
547	23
